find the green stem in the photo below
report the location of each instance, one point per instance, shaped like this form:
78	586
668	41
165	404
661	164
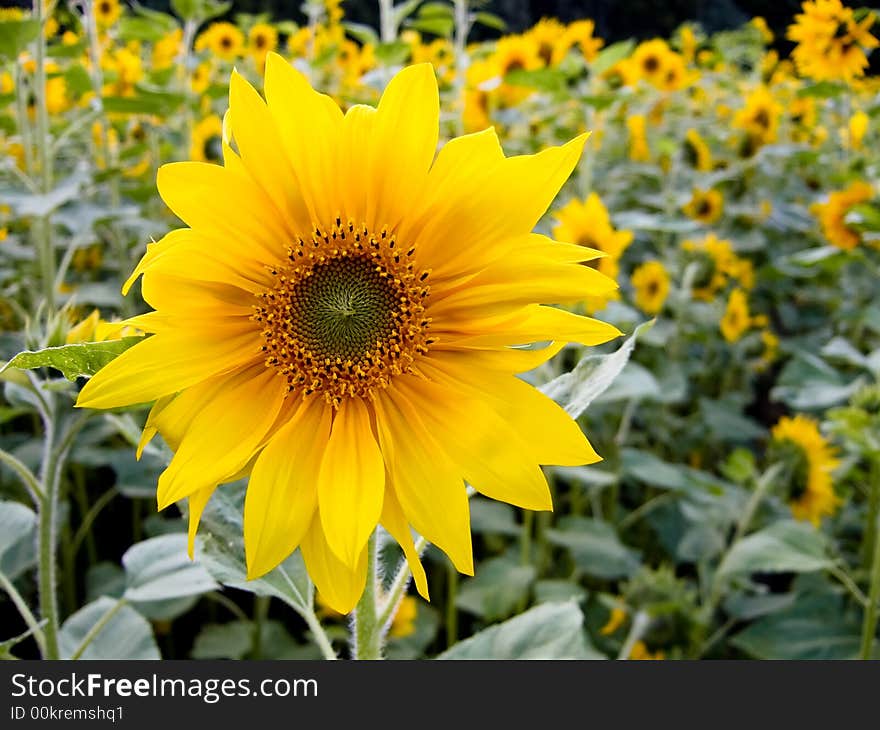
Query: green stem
319	635
261	613
47	541
451	608
387	30
43	225
24	126
459	41
398	586
25	612
26	475
368	630
869	623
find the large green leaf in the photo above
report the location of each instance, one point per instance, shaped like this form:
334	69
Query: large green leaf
591	376
786	546
548	631
18	527
499	586
595	547
125	634
159	569
220	549
15	36
73	360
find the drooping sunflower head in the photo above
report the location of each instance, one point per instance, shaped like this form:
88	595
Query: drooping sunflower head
697	151
736	320
341	321
832	214
808	461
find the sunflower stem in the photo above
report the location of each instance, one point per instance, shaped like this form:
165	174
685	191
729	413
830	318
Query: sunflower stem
368	630
47	538
869	623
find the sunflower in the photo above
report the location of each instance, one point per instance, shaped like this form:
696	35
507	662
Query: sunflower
651	284
652	59
831	43
223	39
705	206
550	40
810	459
759	118
369	297
207	140
262	40
515	53
856	129
587	224
832	214
736	319
638	139
580	34
166	49
697	151
106	12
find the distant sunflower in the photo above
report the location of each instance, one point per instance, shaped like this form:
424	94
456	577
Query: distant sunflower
223	39
759	118
832	214
550	40
368	297
810	459
832	44
580	34
697	151
106	12
736	320
651	284
262	40
705	206
207	140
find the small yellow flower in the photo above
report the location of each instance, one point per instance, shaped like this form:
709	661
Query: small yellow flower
95	329
638	140
404	622
641	652
759	118
736	320
857	128
811	462
651	284
615	621
166	50
107	12
705	206
832	214
262	40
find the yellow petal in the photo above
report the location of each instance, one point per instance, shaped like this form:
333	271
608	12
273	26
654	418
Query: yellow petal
548	432
356	162
224	434
406	130
429	488
166	363
490	454
150	428
309	126
260	148
225	203
340	586
282	493
351	482
394	520
196	506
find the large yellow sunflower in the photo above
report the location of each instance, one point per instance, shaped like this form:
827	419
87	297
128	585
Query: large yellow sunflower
340	320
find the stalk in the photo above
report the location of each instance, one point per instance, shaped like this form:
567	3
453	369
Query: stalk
387	32
47	537
367	628
869	623
459	42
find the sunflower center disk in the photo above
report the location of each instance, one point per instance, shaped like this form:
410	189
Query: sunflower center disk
346	313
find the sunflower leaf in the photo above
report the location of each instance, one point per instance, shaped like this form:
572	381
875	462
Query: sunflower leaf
73	360
592	376
548	631
784	547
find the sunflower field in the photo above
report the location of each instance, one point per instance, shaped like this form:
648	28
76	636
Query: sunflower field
345	305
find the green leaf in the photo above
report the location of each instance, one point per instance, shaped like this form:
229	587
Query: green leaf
145	101
361	32
224	641
786	546
18	531
611	55
159	569
592	376
438	26
490	20
651	470
558	591
402	11
73	360
220	548
548	631
595	547
491	517
392	54
145	29
812	627
498	588
15	35
200	10
822	90
809	383
126	635
543	79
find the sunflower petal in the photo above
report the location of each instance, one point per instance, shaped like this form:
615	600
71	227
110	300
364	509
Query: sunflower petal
281	497
351	482
394	520
339	585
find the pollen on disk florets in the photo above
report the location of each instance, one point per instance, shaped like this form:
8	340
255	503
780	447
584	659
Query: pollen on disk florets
346	312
